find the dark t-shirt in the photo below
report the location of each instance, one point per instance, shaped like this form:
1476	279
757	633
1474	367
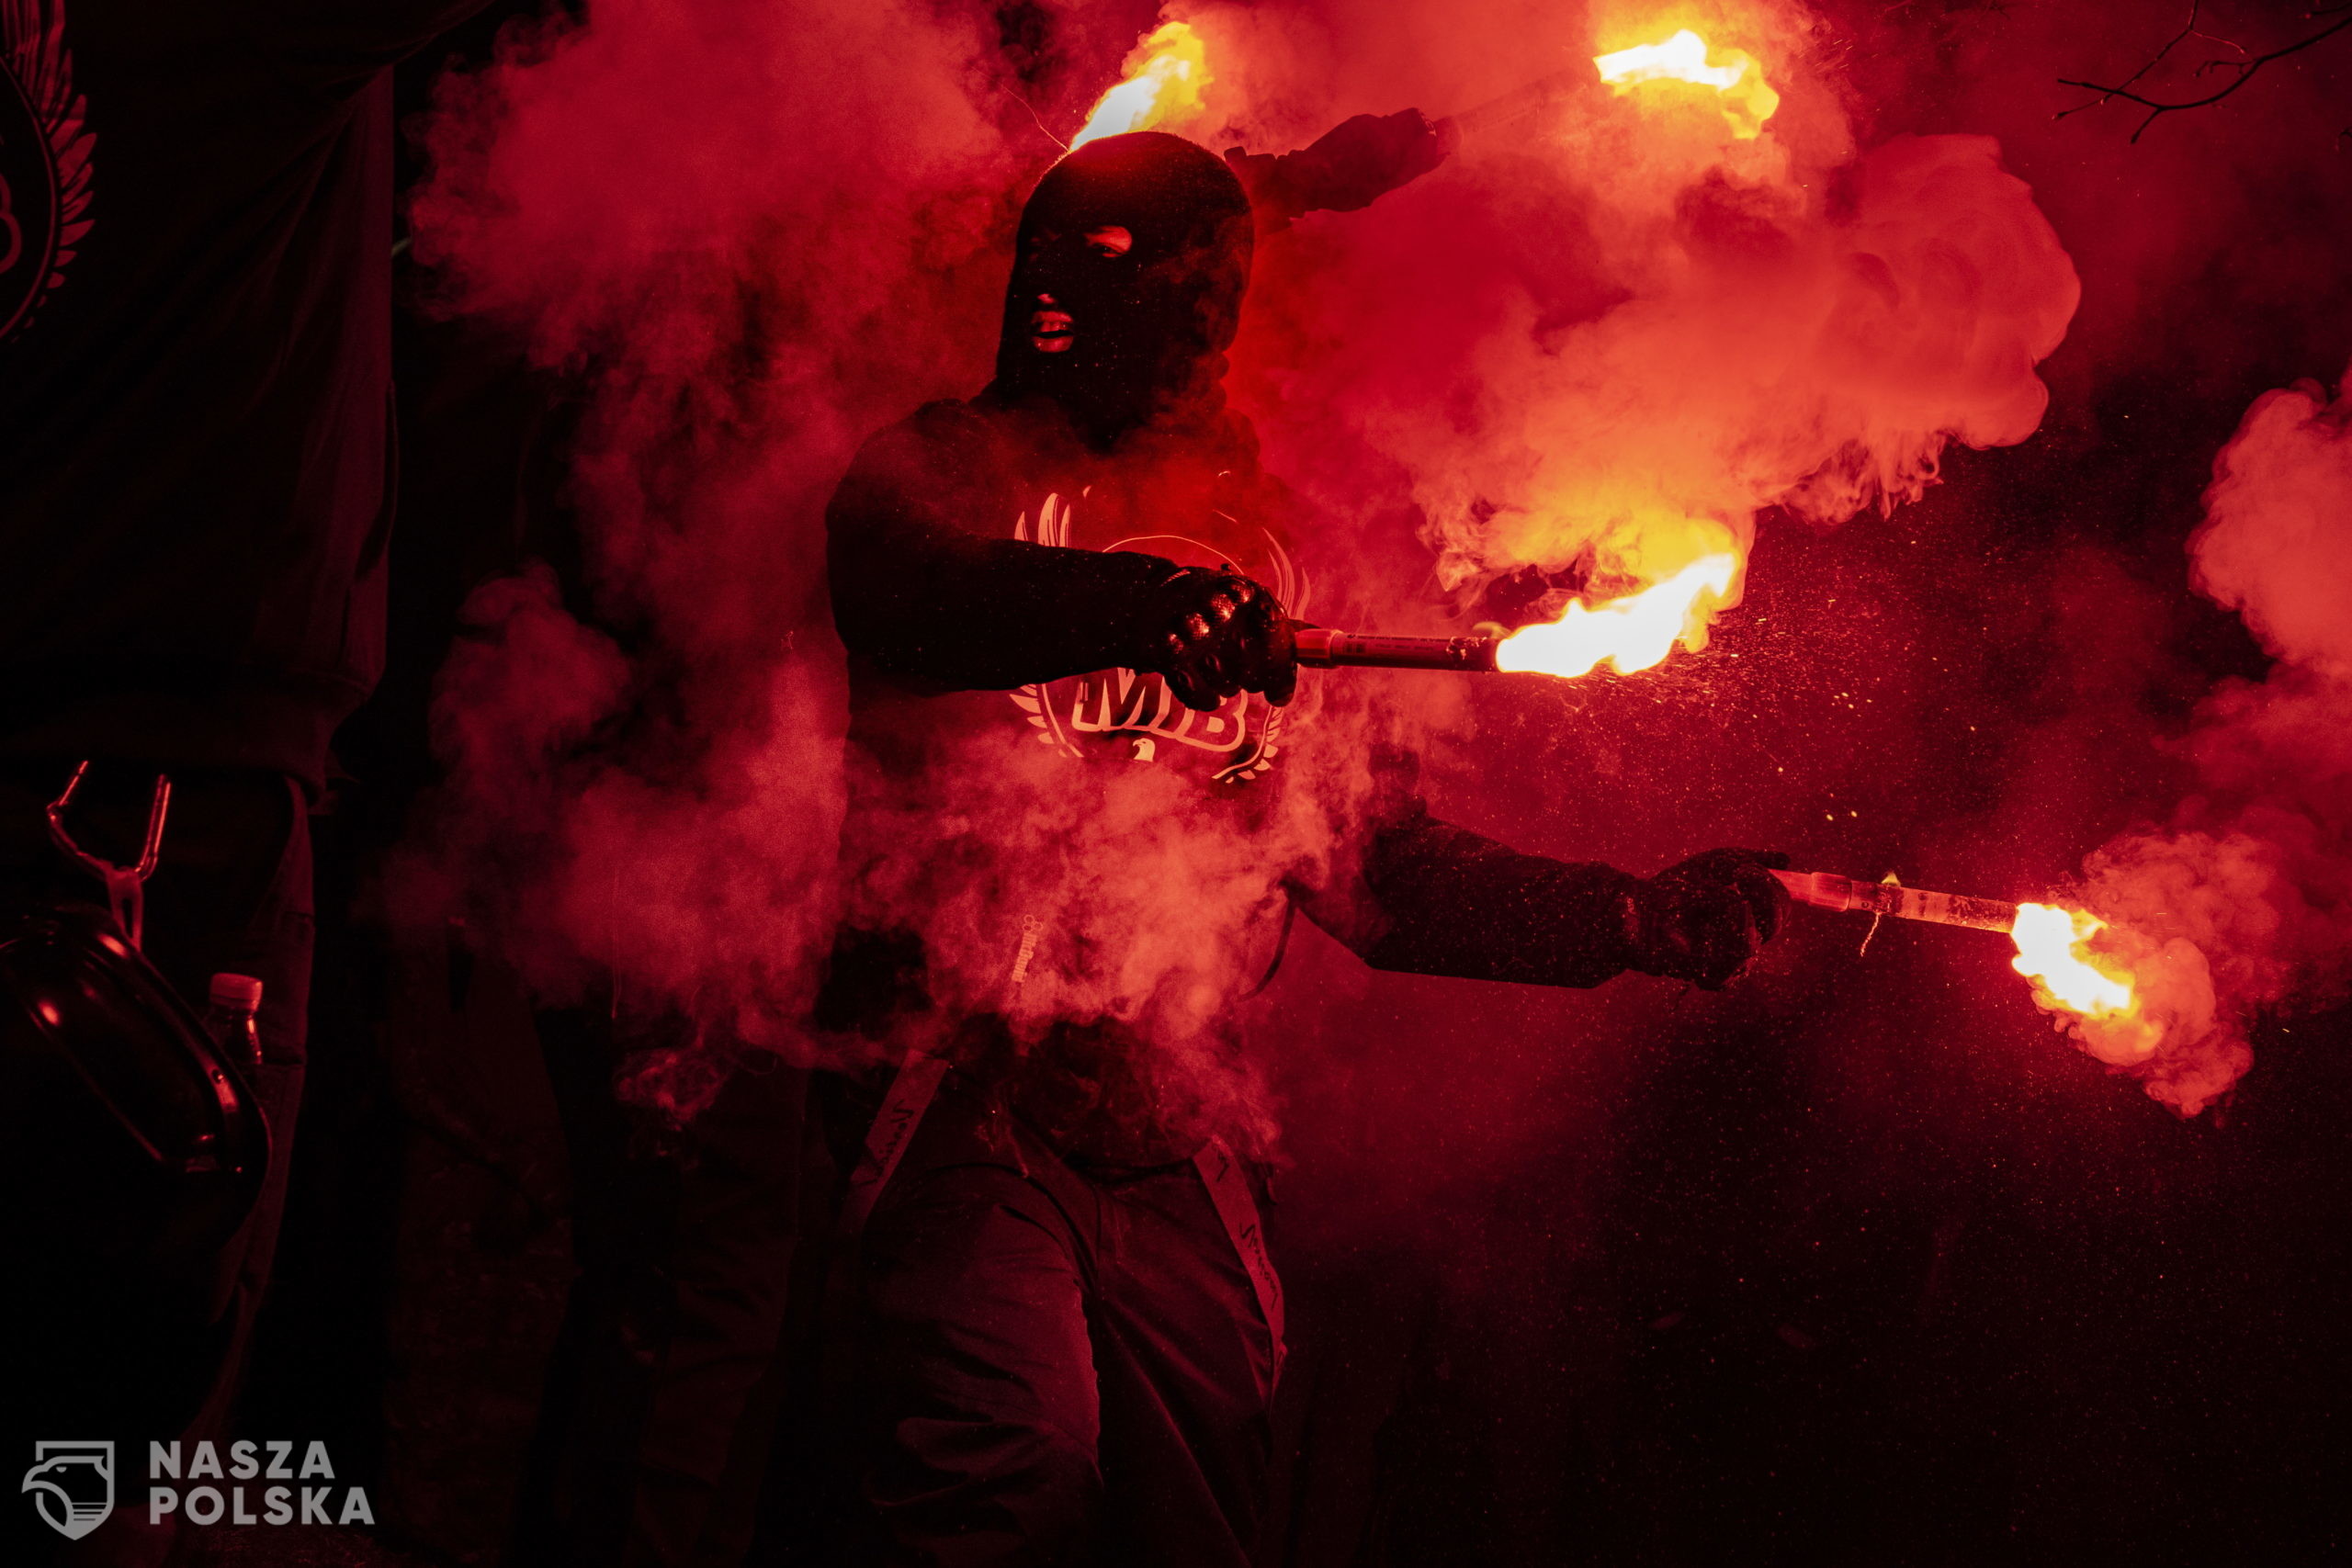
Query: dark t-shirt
985	635
1037	837
195	379
1057	840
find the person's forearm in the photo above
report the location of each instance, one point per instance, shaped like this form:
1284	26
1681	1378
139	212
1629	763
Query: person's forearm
1350	168
1451	902
967	612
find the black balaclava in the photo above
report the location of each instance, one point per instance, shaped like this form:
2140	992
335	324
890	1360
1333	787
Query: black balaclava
1149	327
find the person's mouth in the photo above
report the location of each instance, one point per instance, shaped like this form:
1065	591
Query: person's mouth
1049	332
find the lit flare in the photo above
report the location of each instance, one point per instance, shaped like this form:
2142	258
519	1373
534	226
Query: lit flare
1166	75
1631	633
2051	952
1748	100
2096	998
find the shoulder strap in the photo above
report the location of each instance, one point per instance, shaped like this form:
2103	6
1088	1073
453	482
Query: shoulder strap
910	1095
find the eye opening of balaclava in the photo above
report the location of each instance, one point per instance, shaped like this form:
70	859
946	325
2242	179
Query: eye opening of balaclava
1149	328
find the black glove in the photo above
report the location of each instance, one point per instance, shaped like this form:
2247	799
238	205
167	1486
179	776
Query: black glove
1216	633
1349	166
1704	920
1361	160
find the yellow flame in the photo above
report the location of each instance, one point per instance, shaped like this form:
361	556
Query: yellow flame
1748	100
1165	76
1631	633
2051	954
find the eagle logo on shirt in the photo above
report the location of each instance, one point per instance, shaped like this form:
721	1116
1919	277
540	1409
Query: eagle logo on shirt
1137	711
44	158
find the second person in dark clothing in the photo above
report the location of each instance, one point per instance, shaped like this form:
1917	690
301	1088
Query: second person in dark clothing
196	492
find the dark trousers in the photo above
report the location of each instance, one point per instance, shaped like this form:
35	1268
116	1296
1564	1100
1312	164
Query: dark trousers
231	892
651	1432
1055	1366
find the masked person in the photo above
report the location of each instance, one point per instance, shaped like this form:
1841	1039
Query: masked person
1082	808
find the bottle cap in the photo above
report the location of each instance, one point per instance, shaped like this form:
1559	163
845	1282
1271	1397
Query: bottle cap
239	991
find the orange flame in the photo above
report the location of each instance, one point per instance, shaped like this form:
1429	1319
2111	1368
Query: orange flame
1748	100
2052	954
1631	633
1165	76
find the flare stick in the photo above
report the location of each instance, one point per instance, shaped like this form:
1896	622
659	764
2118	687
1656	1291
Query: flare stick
1513	106
1320	647
1830	891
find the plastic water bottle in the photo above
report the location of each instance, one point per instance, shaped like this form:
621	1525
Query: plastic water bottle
235	1000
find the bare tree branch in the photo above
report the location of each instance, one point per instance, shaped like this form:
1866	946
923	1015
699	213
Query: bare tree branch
2243	69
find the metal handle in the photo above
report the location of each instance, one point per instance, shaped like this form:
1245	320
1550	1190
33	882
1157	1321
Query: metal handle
1321	647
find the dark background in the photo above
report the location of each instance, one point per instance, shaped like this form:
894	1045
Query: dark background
1857	1262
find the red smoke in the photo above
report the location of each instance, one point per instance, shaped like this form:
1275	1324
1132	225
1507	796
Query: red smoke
752	231
756	232
741	226
1610	315
2243	901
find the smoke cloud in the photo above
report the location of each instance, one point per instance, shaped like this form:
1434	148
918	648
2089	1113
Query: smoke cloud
1609	316
1603	334
739	227
2243	901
